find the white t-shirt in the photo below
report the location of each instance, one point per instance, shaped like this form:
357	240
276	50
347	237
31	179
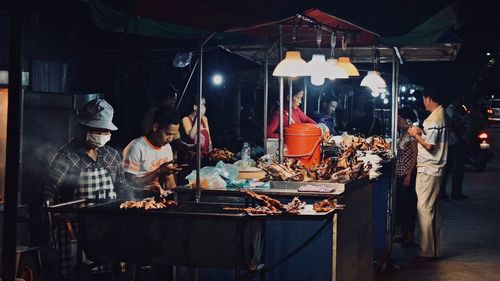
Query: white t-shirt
436	133
140	158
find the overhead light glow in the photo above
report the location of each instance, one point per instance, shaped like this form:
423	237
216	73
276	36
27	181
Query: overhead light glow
217	79
386	101
337	72
403	89
375	94
412	91
319	69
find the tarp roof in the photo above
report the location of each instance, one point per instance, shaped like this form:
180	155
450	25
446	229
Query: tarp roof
251	30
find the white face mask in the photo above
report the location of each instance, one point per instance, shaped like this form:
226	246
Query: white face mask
98	140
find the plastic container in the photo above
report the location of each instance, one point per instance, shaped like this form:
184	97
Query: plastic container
303	141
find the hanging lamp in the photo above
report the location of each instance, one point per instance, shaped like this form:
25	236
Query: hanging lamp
291	66
345	62
319	69
373	80
338	71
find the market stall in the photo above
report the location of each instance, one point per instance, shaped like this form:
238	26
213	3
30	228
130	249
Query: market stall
340	248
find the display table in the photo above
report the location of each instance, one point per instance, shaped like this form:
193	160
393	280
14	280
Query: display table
340	250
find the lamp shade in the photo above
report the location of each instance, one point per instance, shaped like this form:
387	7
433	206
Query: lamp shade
338	72
374	81
346	64
319	69
292	66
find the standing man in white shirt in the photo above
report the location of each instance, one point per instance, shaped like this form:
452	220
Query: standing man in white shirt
431	162
147	160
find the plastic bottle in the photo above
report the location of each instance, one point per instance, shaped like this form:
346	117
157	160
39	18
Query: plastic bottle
245	153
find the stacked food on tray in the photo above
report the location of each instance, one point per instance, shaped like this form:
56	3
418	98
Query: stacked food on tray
345	158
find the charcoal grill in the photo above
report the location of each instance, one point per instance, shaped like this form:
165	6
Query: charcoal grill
189	234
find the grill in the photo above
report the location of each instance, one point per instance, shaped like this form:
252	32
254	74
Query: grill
189	234
192	234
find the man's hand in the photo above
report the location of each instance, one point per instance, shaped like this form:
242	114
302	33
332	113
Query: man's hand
168	168
414	131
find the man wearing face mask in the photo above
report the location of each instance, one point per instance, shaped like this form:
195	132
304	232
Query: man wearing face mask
85	168
147	160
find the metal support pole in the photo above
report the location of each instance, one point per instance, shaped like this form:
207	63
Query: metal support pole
290	97
198	118
266	93
392	189
282	90
14	142
305	95
281	141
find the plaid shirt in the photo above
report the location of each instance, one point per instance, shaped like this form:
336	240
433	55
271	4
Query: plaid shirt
74	175
63	178
405	153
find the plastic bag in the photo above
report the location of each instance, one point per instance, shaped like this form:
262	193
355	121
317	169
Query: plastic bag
209	178
228	171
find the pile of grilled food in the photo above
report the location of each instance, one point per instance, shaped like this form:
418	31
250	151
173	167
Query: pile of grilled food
271	206
148	204
343	168
221	154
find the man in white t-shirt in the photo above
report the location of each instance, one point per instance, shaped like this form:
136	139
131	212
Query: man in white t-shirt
431	162
147	160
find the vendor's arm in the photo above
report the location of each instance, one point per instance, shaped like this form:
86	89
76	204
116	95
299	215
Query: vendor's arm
57	172
416	132
273	125
304	118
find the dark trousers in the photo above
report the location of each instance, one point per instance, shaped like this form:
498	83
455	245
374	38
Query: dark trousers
406	205
456	167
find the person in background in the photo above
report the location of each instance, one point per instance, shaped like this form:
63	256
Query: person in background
367	124
327	113
147	160
85	168
406	161
297	115
190	125
167	96
431	162
456	147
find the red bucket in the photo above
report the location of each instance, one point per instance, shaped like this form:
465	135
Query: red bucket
303	141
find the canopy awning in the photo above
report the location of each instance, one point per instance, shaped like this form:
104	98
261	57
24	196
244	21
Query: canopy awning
252	35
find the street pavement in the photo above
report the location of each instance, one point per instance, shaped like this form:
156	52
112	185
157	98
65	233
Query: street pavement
471	231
